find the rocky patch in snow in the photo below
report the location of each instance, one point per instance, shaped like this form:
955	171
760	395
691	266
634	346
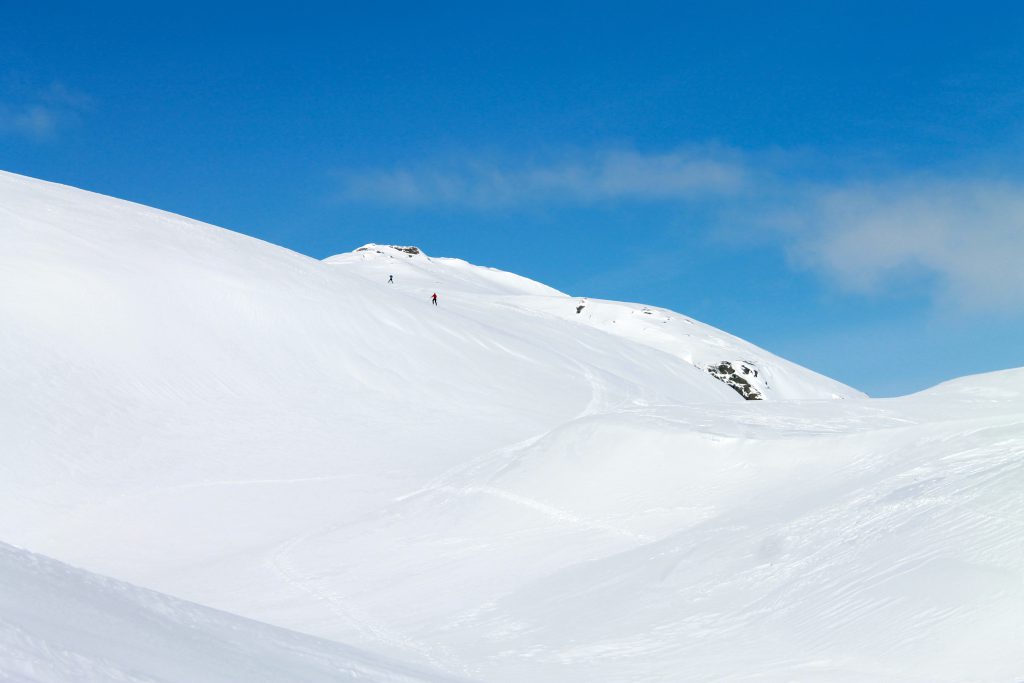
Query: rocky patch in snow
409	251
739	377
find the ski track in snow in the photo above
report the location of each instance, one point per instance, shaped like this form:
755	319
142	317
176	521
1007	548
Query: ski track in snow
557	514
372	631
504	455
281	563
280	558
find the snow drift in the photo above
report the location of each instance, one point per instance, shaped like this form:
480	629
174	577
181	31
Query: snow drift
513	485
58	623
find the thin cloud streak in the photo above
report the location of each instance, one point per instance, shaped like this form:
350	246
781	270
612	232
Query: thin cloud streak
42	116
35	121
607	176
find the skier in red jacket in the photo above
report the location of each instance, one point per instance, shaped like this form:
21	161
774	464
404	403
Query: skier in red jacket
433	299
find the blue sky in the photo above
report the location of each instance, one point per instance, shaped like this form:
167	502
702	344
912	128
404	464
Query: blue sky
841	183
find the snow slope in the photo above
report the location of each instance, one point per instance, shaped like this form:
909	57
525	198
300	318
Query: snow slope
830	541
65	624
499	487
484	289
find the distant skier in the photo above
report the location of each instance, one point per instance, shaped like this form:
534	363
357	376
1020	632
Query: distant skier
391	279
433	299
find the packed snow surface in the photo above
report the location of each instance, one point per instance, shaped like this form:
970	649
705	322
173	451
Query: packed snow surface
513	485
58	623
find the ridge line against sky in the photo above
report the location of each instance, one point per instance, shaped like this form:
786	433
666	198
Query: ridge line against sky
966	232
841	185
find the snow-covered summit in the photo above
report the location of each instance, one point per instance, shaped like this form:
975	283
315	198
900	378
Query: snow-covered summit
413	269
393	250
750	371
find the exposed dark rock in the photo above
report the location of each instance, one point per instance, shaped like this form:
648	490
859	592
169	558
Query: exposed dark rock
726	372
411	251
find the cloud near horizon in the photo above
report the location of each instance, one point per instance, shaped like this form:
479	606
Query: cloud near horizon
965	234
962	236
605	176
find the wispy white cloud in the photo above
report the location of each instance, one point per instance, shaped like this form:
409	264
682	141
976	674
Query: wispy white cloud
603	176
58	94
42	115
961	238
35	121
965	235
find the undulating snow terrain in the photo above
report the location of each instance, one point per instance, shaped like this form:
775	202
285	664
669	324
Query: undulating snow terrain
514	485
59	624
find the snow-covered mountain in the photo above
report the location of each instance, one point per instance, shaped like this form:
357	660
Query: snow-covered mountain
752	372
513	485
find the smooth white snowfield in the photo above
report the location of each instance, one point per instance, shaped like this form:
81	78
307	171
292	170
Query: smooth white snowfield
58	623
497	488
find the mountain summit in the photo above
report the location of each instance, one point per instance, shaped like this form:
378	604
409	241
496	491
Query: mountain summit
751	372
